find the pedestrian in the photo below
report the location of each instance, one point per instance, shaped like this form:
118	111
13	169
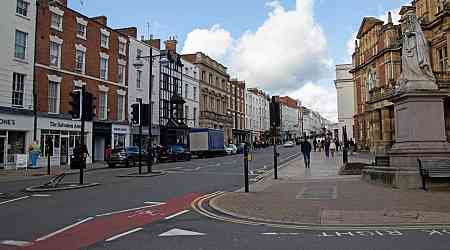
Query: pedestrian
306	151
315	144
108	152
327	148
337	144
332	149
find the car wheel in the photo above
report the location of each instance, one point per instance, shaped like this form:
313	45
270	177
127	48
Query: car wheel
111	165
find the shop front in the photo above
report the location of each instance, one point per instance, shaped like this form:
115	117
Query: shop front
16	132
134	140
109	135
59	137
120	135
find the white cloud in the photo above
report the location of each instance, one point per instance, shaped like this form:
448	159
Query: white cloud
215	41
351	45
319	98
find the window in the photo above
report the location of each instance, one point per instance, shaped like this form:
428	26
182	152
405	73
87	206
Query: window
103	115
22	8
210	78
186	91
218	106
443	58
205	101
81	30
121	74
20	45
186	113
195	93
17	89
203	75
165	82
122	48
53	92
138	79
79	61
212	109
56	22
194	116
120	107
104	41
54	54
138	53
104	68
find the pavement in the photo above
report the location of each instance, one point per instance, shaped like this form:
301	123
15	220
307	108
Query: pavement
319	196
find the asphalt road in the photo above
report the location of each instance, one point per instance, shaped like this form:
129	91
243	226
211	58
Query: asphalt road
103	217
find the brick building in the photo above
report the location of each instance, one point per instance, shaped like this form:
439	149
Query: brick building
377	61
214	94
74	50
236	106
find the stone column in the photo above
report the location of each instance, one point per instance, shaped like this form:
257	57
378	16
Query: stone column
376	131
386	128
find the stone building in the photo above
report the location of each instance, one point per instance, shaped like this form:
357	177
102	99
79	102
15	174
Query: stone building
377	61
214	94
73	50
257	111
291	115
345	99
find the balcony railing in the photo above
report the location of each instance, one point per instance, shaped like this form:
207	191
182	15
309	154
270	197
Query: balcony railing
216	117
379	94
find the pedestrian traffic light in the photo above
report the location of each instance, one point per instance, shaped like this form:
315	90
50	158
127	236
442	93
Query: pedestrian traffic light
76	104
135	113
275	114
88	106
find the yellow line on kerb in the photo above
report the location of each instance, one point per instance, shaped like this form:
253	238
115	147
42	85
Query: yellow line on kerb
198	202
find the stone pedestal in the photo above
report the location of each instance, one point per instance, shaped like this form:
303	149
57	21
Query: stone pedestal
420	133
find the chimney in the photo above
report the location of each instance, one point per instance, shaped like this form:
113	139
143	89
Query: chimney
155	43
171	44
130	31
390	18
62	2
100	19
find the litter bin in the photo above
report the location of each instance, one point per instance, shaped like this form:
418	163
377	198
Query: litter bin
75	162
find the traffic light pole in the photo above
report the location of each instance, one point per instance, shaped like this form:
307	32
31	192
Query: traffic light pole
83	118
275	154
140	136
246	154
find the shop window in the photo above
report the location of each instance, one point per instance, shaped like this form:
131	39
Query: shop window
443	58
119	140
16	145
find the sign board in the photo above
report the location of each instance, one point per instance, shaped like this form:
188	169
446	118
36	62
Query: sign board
21	161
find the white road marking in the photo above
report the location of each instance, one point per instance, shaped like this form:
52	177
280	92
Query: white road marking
280	233
175	215
180	232
17	199
16	243
123	234
154	203
64	229
127	210
40	195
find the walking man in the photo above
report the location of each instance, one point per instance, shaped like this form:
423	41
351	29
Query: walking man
306	150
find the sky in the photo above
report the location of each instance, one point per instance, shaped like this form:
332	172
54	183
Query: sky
285	47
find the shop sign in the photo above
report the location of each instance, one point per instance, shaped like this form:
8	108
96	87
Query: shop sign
64	125
120	129
7	122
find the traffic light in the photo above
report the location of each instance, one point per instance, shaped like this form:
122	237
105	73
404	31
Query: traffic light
275	114
88	107
145	114
76	104
135	113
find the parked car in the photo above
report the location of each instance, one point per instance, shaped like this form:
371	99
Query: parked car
231	149
289	144
240	148
127	156
174	153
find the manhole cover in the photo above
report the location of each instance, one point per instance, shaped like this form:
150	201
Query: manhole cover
317	193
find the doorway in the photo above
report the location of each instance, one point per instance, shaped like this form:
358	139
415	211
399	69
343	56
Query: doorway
64	150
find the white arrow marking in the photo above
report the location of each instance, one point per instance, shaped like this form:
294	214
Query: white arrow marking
180	232
17	243
175	215
128	210
123	234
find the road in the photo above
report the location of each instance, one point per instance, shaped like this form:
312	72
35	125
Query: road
155	213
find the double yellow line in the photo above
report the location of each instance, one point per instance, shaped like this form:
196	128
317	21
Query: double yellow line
197	205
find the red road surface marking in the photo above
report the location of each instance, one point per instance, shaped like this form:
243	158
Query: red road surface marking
101	228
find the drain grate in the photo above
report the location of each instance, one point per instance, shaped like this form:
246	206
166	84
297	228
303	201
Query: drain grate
317	193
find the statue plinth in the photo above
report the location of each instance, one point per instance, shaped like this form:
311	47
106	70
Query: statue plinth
420	134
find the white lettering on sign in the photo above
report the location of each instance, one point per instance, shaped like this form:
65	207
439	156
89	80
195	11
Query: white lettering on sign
7	122
64	125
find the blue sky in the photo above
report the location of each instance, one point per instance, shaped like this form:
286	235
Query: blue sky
247	30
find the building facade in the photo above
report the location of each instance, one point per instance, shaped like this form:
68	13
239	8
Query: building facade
16	79
236	106
191	88
74	51
257	110
377	61
214	94
345	99
139	84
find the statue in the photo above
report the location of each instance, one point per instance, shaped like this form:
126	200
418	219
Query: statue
416	65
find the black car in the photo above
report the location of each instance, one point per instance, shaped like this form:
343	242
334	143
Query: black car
128	156
173	153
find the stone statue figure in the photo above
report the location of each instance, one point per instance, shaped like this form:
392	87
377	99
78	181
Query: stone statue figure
416	65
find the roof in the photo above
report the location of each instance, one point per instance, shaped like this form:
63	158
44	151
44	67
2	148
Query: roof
367	24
